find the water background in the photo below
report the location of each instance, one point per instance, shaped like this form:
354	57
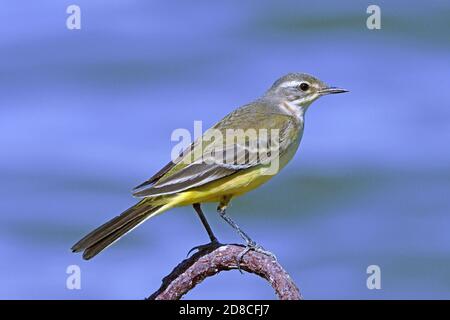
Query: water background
87	115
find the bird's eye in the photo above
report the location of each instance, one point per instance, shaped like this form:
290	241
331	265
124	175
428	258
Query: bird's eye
304	86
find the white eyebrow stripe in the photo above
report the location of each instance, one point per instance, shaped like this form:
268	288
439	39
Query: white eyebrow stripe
293	83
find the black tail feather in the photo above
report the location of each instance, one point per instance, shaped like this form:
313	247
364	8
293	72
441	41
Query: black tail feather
100	245
106	234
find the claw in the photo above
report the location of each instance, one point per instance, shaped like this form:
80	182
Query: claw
255	247
210	245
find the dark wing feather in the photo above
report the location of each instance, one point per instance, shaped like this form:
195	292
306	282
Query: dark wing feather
153	179
190	177
156	176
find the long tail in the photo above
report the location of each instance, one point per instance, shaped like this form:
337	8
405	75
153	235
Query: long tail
111	231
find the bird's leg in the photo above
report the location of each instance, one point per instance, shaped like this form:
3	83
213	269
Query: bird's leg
205	223
214	242
250	244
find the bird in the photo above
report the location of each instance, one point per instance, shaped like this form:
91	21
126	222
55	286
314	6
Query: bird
191	180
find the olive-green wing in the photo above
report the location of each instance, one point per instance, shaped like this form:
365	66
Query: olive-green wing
214	162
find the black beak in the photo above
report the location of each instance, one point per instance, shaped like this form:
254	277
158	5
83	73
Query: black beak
332	90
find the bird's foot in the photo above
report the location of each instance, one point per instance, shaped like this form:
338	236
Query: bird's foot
253	246
214	244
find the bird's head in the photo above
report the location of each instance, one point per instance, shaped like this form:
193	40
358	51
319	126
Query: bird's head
300	89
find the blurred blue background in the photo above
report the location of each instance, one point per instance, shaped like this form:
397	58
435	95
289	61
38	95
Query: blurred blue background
85	115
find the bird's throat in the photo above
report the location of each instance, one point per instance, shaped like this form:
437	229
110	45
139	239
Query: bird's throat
294	109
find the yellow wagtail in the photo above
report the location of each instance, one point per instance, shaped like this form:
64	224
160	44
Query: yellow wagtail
213	170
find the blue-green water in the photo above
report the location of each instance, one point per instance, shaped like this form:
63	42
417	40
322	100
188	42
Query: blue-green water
86	115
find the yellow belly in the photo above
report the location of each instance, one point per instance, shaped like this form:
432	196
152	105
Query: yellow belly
233	185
